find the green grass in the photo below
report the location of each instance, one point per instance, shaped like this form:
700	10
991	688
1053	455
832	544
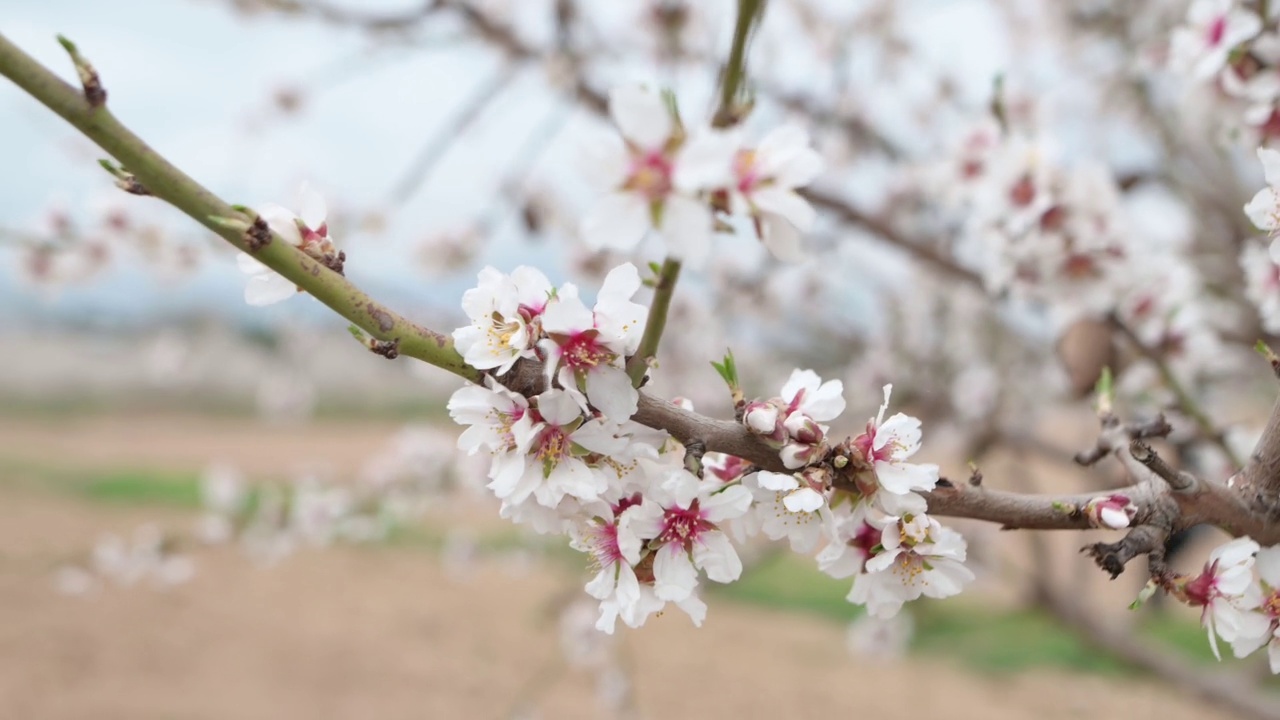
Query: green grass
121	486
979	638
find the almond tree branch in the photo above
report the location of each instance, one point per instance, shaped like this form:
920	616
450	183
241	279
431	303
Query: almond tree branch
1209	503
173	186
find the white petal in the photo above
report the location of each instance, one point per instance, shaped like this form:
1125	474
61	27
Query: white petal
694	608
686	227
268	289
641	114
282	221
618	221
1234	552
1270	164
827	402
609	389
311	208
781	238
557	407
732	502
787	204
806	380
567	315
715	555
604	158
778	482
673	573
706	161
601	586
901	478
804	500
1268	565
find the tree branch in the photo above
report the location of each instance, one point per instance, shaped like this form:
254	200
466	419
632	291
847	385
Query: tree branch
176	188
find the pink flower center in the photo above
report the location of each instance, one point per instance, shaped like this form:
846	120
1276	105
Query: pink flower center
650	175
683	526
866	539
1022	192
747	171
865	443
583	351
1271	605
603	541
1215	31
1203	589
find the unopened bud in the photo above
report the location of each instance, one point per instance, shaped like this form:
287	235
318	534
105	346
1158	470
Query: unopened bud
804	428
1112	511
797	455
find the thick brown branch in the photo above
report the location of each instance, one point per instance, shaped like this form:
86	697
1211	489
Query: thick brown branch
1260	478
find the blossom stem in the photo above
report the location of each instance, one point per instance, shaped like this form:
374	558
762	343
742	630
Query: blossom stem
663	290
170	184
729	113
750	12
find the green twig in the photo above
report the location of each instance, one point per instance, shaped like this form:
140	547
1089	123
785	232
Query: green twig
750	12
663	290
729	113
170	184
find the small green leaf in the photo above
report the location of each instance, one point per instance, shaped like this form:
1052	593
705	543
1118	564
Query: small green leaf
1105	392
1144	595
727	369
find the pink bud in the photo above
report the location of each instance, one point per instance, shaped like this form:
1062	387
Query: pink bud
1113	511
761	417
797	455
803	428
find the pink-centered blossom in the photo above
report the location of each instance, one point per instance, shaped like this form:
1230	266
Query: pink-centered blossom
1226	594
505	313
917	556
680	521
306	231
1213	28
586	349
885	447
638	170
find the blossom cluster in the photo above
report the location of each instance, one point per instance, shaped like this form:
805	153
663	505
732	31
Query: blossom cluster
1040	230
570	460
1033	227
674	179
1226	46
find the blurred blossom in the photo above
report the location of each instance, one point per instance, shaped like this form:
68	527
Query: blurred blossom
880	638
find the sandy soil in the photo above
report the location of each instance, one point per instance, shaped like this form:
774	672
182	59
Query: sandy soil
392	633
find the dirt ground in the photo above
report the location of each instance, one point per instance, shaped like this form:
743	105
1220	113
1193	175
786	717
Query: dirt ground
392	633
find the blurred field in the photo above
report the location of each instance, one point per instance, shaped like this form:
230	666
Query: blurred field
400	631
